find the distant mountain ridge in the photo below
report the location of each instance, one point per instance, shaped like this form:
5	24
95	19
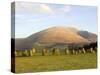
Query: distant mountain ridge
56	35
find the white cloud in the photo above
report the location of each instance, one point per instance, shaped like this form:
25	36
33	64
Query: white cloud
27	7
64	9
31	8
45	8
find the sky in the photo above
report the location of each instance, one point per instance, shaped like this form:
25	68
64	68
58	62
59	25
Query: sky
31	17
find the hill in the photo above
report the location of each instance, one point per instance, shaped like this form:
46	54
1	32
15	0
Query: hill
56	36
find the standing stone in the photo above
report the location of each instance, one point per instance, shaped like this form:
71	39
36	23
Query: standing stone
91	50
80	51
15	53
73	51
26	53
83	50
66	51
31	53
33	50
57	51
44	52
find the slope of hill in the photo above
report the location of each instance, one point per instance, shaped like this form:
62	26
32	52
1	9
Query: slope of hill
56	35
89	36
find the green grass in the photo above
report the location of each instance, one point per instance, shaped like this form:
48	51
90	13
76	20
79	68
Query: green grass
55	63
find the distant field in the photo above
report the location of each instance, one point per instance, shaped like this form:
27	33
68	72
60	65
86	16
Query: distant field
55	62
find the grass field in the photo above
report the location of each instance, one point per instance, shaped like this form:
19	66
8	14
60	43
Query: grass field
55	63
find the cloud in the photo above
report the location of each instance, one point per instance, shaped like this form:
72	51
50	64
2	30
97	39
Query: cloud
45	8
34	8
31	8
64	9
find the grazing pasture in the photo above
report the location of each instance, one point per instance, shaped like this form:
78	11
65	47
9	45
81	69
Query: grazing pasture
39	63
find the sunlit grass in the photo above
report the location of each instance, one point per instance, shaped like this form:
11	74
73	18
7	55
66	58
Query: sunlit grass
40	63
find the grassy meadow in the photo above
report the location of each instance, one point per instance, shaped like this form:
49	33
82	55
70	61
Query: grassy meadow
38	63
